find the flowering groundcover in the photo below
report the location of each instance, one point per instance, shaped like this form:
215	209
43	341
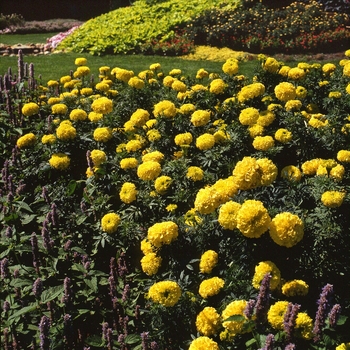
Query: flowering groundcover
149	210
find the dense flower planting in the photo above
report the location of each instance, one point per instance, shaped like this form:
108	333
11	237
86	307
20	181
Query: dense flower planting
152	210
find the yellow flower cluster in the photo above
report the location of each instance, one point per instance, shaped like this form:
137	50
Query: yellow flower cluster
200	117
136	83
129	163
122	74
250	91
77	115
210	287
149	170
166	293
333	199
262	269
102	105
150	263
128	192
30	109
162	184
295	287
162	233
26	141
217	86
228	215
202	343
285	91
59	161
208	321
275	315
98	157
271	65
205	141
233	328
230	67
208	261
110	222
286	229
66	131
165	109
263	143
195	173
103	134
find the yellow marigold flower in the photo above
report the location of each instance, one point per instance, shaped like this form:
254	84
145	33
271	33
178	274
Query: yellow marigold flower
301	92
187	108
165	109
284	70
102	86
253	219
198	87
136	83
140	117
263	143
304	324
328	68
191	218
166	293
203	343
153	135
291	173
208	261
205	142
285	91
286	229
275	315
207	200
80	61
293	105
86	91
333	199
236	307
200	117
52	83
246	173
310	166
271	65
266	118
77	115
195	173
59	161
168	81
228	215
250	91
65	79
256	130
179	86
343	156
81	71
66	131
296	73
208	323
230	67
323	83
202	73
162	184
317	123
334	94
262	269
103	134
146	247
183	139
95	117
155	156
337	172
59	108
98	157
133	146
343	346
217	86
268	171
162	233
110	222
148	170
155	66
225	189
295	287
48	139
175	71
129	163
283	135
211	287
150	263
249	116
122	74
102	105
30	109
53	100
26	141
220	136
171	208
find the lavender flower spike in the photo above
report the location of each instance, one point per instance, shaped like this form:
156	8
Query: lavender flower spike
44	327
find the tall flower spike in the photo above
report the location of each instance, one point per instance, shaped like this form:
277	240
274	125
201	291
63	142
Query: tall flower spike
289	324
334	315
249	310
37	288
4	268
20	66
144	338
270	339
68	294
44	328
45	195
262	303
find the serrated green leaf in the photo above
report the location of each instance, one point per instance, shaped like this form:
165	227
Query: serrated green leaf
51	293
24	310
132	339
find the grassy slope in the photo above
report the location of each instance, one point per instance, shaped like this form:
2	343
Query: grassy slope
37	38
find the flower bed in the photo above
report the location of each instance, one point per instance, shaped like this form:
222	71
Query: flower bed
150	210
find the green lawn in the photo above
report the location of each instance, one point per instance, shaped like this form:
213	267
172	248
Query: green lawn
13	39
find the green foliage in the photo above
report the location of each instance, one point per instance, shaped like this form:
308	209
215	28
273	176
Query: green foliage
126	29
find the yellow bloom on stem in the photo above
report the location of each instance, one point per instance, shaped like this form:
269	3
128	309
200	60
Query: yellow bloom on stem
110	222
207	200
195	173
149	170
183	139
202	343
150	263
59	108
136	83
103	134
128	192
275	315
333	199
328	68
343	346
304	325
102	105
95	117
129	163
263	143
166	293
165	109
200	117
262	269
283	135
337	172
271	65
59	161
217	86
250	91
30	109
208	261
230	67
295	287
162	184
211	287
286	229
228	215
66	131
187	108
98	157
162	233
343	156
266	118
80	61
205	142
249	116
208	322
285	91
296	73
202	73
48	139
253	219
77	115
26	141
236	307
291	173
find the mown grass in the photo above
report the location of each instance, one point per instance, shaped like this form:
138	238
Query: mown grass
36	38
